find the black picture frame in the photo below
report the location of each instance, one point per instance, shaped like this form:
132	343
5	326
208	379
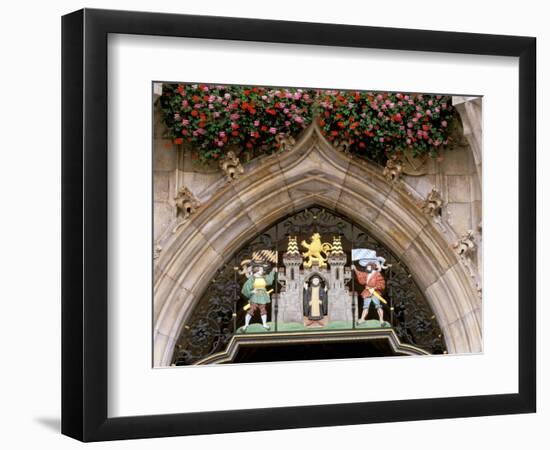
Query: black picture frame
84	224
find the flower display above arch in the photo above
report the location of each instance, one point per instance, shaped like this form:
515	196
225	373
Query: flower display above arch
376	125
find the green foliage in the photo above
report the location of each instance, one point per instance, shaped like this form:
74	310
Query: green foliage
212	118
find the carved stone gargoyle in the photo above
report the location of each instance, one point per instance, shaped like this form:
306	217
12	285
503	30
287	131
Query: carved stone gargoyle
432	204
394	168
286	142
231	166
466	245
186	203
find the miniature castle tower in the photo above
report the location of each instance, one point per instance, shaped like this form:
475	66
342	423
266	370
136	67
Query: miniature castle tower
335	277
339	299
289	303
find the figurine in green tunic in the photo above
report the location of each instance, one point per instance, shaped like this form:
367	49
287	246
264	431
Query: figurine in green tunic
258	296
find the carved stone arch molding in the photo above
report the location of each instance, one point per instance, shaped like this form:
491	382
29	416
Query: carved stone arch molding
311	173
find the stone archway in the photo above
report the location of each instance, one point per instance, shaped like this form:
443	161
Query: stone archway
312	172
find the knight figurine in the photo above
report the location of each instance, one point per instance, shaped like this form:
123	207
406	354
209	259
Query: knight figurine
258	296
371	279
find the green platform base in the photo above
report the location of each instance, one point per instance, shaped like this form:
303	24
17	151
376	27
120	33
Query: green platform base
294	326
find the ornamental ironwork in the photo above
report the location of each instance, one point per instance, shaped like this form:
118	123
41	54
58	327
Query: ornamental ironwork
220	312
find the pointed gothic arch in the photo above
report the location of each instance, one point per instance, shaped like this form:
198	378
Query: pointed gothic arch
311	173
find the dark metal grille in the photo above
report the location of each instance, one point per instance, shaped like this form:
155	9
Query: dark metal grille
219	312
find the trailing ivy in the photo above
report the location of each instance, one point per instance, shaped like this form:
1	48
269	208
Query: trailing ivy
212	118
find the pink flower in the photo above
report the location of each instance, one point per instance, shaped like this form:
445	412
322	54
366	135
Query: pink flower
256	123
227	96
287	123
428	112
220	143
298	119
216	114
410	125
443	123
381	139
184	103
273	130
185	122
234	116
222	134
380	114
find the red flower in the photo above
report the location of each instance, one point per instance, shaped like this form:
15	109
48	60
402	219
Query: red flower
341	124
180	88
196	98
194	113
178	141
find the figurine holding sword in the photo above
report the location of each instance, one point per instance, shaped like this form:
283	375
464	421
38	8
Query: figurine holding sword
371	279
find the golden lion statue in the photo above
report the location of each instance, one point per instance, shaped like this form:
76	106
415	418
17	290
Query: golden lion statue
315	249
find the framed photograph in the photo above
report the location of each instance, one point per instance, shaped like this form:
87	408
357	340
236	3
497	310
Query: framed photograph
274	225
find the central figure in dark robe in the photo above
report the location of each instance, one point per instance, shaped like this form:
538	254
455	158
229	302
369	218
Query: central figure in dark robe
315	299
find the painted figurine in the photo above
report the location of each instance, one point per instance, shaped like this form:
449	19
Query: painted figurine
315	251
258	296
371	279
315	299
